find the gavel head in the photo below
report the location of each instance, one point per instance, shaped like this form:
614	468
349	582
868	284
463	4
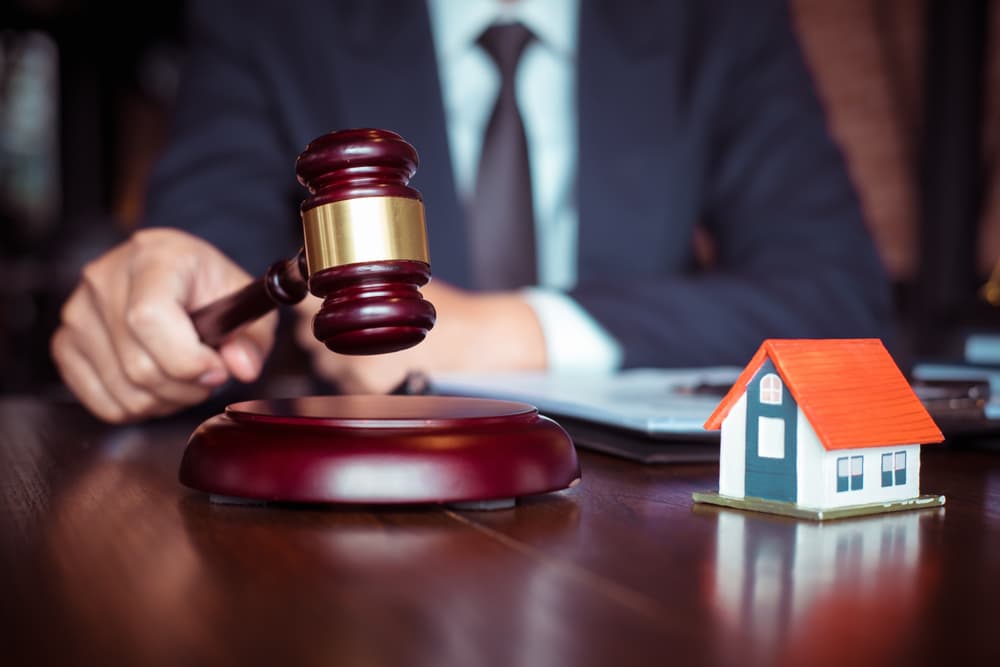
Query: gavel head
365	241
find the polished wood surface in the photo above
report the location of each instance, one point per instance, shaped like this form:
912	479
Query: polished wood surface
361	162
372	307
386	450
107	559
369	307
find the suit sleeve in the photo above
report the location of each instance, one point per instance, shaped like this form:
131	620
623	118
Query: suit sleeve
225	174
793	256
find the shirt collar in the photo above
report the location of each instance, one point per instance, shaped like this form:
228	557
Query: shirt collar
457	24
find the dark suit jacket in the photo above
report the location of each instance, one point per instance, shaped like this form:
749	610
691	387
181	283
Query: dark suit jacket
689	112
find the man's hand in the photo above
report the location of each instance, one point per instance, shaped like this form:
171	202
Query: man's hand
126	346
474	332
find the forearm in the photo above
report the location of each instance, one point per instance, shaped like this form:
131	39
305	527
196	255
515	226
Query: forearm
494	332
721	318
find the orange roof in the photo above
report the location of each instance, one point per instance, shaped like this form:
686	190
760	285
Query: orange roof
849	389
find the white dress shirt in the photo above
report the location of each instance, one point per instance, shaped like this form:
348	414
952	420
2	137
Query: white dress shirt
546	90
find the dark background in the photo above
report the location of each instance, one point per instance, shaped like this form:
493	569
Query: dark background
86	90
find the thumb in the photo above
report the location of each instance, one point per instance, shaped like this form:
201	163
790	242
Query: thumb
245	352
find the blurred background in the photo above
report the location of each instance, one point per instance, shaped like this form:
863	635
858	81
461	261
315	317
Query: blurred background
911	87
86	89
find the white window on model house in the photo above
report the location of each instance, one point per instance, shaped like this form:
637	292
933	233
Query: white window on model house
770	389
770	438
850	473
894	468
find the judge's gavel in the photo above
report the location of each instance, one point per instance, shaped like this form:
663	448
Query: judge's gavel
366	254
365	250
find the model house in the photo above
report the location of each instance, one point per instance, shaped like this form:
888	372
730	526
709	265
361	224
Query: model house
813	426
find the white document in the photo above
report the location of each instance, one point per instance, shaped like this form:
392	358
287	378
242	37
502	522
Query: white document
656	402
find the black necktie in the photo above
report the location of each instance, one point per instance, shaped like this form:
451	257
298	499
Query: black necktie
502	230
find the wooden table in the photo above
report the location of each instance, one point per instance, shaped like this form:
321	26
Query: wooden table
107	560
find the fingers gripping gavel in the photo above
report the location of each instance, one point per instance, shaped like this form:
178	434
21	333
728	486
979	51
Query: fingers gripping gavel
365	250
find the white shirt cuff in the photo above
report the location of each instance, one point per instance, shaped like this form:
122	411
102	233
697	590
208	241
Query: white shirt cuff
574	341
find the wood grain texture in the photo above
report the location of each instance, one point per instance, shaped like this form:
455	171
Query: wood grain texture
106	559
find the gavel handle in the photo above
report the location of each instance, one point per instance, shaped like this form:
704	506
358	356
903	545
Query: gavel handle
284	283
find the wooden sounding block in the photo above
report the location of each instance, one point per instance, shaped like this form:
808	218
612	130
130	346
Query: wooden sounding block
365	253
379	449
